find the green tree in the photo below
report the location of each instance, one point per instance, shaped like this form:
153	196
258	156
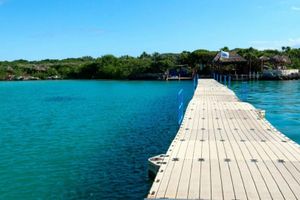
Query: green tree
225	48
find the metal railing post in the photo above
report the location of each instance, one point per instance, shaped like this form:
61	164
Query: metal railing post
196	77
180	106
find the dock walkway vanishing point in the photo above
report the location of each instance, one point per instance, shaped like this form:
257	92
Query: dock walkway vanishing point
225	150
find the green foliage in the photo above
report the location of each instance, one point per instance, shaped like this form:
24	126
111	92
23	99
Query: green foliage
201	56
225	48
128	67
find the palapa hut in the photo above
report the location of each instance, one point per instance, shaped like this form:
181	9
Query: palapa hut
235	64
263	60
280	61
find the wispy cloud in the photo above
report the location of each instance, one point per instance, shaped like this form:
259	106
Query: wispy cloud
295	8
295	43
276	44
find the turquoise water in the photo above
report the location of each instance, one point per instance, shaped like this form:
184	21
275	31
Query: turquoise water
280	99
92	139
83	139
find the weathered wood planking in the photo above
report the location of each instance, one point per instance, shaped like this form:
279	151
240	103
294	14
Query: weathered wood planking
224	150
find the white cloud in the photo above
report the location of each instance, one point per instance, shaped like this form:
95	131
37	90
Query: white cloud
295	8
295	42
276	44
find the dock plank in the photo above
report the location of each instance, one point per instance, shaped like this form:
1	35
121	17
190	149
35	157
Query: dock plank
224	150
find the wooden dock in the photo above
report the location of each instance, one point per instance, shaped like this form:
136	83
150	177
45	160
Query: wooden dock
225	150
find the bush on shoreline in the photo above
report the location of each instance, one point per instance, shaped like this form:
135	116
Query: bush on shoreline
145	66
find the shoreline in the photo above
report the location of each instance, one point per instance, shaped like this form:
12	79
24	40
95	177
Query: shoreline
264	79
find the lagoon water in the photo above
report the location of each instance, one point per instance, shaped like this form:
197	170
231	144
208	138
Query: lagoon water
83	139
91	139
280	99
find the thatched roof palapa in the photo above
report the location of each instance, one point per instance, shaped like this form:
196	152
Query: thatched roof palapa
281	59
233	58
264	58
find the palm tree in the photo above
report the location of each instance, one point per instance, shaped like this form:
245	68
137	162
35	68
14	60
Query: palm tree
225	48
251	55
286	49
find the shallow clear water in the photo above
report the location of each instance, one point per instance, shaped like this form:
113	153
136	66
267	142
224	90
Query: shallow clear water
92	139
83	139
280	99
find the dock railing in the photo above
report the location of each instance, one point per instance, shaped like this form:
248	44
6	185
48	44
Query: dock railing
196	77
180	99
180	106
226	80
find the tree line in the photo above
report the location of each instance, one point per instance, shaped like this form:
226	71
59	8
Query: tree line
145	66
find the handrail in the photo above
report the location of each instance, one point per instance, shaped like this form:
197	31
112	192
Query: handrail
180	106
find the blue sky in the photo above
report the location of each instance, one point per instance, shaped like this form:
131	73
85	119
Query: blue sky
39	29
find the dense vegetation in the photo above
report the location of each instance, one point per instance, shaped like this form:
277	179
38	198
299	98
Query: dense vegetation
145	66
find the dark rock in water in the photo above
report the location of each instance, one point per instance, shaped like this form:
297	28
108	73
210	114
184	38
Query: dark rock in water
281	74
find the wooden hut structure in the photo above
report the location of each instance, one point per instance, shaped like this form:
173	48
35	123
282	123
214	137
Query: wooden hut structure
263	61
234	64
280	61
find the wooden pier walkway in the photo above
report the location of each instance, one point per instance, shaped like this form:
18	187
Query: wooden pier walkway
225	150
